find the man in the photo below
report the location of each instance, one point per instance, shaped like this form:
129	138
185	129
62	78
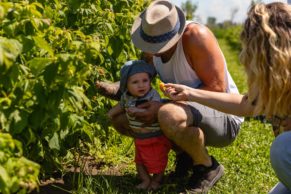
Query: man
185	53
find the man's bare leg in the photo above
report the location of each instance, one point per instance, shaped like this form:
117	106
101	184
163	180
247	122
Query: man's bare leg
175	121
144	176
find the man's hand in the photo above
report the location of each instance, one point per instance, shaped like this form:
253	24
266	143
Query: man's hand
132	110
150	113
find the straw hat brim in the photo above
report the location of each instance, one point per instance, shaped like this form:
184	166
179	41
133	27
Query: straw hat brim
155	48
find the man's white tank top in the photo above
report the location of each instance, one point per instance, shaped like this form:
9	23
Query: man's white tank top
177	70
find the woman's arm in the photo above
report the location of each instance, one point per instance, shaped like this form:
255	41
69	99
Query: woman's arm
235	104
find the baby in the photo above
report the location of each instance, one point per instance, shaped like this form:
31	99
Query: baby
151	146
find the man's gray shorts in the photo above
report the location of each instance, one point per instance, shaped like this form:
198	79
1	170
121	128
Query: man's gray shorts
219	129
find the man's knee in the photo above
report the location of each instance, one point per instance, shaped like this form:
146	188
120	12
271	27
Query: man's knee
165	112
280	155
171	115
173	119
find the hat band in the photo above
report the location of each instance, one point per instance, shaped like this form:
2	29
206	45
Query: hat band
160	38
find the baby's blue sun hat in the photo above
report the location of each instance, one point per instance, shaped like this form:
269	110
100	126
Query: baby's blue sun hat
132	67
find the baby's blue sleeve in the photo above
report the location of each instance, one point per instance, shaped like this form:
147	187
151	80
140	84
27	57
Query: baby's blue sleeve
122	101
155	96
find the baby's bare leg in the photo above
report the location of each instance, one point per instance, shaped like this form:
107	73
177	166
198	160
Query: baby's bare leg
144	176
156	181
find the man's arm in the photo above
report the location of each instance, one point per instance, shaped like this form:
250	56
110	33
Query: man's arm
114	111
150	114
205	57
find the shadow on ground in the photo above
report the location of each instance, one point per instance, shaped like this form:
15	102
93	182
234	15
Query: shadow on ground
102	184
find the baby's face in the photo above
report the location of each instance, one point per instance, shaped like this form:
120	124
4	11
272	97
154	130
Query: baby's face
139	84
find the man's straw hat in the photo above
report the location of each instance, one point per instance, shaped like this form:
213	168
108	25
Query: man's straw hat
158	28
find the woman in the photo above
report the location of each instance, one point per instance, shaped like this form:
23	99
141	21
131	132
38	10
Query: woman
266	55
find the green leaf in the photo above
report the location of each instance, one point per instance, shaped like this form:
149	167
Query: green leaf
36	118
95	45
29	28
109	26
50	73
4	179
9	51
64	119
110	50
117	46
43	44
77	44
19	120
54	142
27	43
88	132
78	97
54	99
37	65
30	137
64	133
40	94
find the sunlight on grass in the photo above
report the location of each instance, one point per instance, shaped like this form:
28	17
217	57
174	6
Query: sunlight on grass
234	67
246	161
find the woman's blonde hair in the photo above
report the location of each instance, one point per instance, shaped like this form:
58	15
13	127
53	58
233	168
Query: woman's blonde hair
266	55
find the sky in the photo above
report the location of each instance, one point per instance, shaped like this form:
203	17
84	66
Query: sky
221	9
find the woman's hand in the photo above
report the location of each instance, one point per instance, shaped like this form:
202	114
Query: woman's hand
176	92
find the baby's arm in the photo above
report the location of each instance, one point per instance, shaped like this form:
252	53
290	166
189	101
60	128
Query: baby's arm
114	111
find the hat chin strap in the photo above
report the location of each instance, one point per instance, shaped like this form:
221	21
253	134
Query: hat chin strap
160	38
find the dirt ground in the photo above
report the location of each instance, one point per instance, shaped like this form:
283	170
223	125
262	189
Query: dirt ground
59	184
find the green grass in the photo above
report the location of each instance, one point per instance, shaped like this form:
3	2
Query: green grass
246	161
235	68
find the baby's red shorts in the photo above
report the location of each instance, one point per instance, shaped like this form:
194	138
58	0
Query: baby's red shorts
153	153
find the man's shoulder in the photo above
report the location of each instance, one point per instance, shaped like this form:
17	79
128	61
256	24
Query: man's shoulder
194	30
197	38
